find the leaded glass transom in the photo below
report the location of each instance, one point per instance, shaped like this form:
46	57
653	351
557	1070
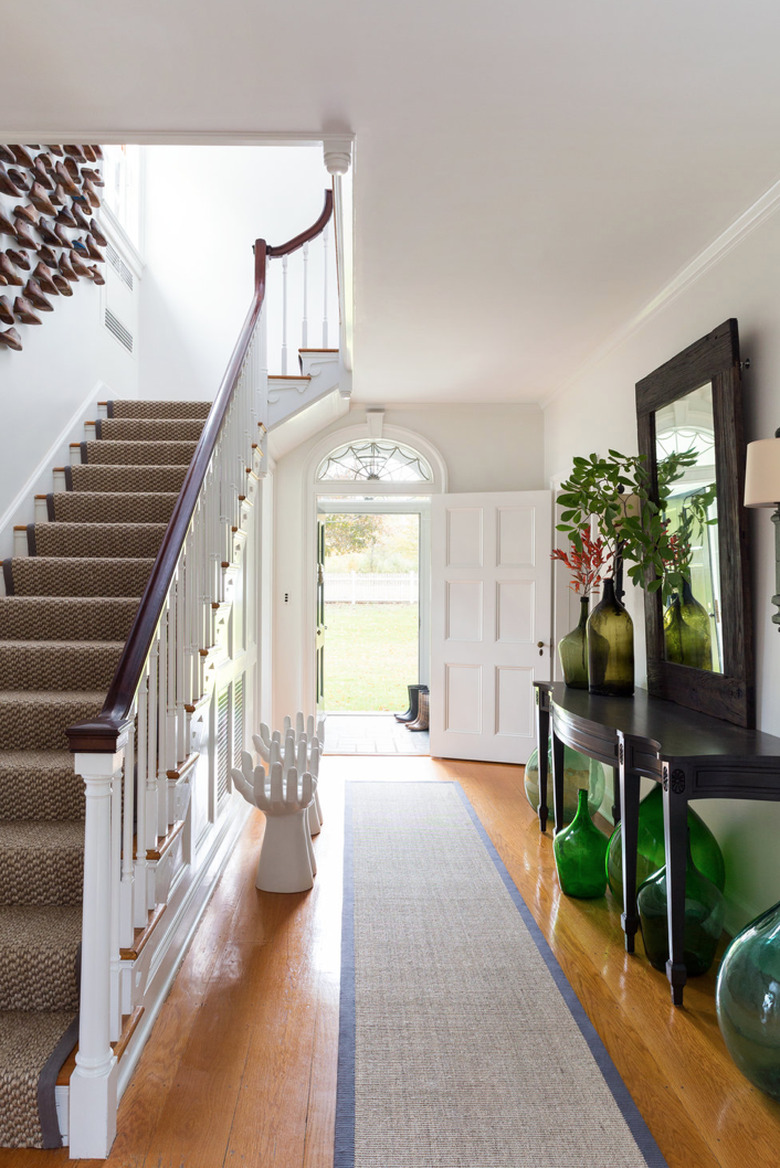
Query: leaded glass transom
375	461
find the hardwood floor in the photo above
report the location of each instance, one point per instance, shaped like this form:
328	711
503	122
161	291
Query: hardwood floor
241	1067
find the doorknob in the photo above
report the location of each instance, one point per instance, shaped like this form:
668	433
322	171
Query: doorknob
540	647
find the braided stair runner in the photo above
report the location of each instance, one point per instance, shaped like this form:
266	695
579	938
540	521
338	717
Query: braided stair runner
62	628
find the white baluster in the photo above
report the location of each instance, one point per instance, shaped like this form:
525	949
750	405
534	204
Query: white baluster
115	1007
162	727
284	315
325	289
126	922
305	321
151	755
171	755
139	890
182	750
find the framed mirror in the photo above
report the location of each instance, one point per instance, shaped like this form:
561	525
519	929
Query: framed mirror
699	644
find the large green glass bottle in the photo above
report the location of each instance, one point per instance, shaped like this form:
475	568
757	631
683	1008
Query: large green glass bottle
651	854
705	909
579	850
610	647
687	632
578	771
747	998
573	650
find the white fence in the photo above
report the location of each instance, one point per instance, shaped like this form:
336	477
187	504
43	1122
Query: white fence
371	587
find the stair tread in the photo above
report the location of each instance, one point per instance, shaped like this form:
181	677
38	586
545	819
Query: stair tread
153	477
110	540
26	560
78	575
7	696
149	408
107	451
38	939
41	835
39	922
57	665
39	646
98	525
33	618
43	760
149	429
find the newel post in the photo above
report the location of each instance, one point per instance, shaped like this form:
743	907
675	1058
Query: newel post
93	1084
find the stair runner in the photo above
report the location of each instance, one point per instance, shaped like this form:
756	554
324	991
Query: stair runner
63	624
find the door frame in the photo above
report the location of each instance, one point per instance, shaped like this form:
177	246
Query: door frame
390	506
411	495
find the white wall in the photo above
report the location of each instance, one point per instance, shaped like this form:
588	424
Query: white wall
204	208
485	448
46	391
598	412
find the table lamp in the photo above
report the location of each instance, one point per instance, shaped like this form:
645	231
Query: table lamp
762	489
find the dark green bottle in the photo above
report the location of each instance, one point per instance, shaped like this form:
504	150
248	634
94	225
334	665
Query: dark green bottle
705	909
573	650
651	854
610	647
580	850
687	633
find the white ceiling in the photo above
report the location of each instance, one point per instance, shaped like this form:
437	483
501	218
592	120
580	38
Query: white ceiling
528	174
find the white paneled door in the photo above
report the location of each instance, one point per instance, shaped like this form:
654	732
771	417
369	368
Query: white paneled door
490	622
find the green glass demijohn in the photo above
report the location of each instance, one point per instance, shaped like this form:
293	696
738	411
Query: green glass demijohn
651	854
705	909
747	998
687	634
573	650
579	850
610	647
578	771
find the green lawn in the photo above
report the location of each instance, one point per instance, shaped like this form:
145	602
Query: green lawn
370	656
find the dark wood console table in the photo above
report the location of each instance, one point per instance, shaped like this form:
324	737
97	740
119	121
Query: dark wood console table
692	755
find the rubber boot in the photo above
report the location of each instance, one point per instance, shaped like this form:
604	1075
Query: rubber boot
421	722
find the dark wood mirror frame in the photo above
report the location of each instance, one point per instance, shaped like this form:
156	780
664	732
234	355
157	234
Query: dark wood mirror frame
729	695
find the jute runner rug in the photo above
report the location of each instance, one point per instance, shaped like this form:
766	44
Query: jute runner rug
462	1045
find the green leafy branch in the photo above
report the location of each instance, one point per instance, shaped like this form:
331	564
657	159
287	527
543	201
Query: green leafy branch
615	491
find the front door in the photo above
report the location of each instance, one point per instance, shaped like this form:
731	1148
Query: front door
490	622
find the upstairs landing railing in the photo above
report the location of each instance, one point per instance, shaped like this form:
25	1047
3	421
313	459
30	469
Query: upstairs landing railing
141	738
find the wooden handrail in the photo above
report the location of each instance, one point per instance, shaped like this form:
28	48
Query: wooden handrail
304	237
101	735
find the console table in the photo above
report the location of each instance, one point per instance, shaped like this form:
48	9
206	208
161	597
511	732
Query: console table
692	755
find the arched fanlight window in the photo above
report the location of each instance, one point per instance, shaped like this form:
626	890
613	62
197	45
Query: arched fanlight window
374	460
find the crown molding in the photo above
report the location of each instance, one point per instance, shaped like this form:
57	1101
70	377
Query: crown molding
174	137
763	208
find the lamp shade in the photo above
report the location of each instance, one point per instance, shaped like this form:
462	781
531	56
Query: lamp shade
762	473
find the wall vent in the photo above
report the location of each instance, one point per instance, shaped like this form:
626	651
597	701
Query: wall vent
238	720
122	334
119	266
223	743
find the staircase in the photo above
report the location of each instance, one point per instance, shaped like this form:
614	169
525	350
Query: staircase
71	594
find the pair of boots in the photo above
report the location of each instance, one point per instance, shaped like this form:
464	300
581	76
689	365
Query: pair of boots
416	717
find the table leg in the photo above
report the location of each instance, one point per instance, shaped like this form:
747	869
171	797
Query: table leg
542	747
676	845
615	796
628	786
558	764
